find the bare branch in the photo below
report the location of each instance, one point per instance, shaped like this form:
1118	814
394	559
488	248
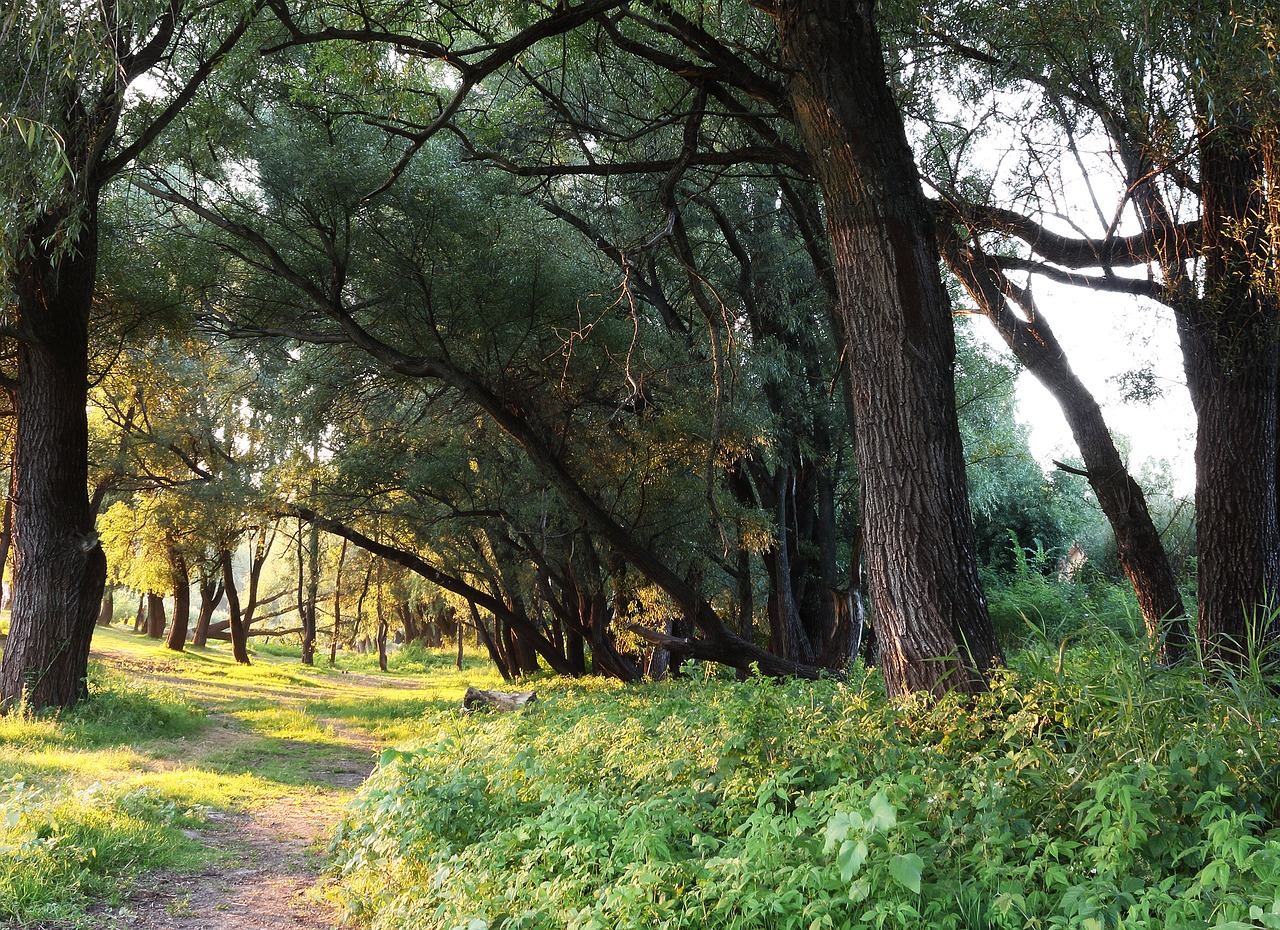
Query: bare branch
1112	251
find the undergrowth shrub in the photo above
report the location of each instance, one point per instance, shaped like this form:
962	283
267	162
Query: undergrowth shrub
1086	790
1030	605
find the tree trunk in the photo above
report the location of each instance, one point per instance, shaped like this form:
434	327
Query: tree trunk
140	618
177	640
107	612
308	585
337	604
459	630
155	615
60	569
1138	545
787	634
239	635
382	622
409	623
931	616
210	595
483	637
259	549
1232	357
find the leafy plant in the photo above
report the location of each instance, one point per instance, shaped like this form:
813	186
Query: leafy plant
1089	790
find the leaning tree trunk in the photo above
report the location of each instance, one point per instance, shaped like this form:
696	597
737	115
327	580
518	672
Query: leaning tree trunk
1138	544
239	632
59	566
210	595
928	606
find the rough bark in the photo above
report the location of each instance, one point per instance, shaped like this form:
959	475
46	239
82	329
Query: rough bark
239	633
1231	352
1138	545
931	616
177	639
59	567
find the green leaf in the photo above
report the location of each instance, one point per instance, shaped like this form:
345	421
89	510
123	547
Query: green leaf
905	870
852	856
883	814
838	828
393	755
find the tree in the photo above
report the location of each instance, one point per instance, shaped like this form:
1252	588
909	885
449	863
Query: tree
1138	544
931	616
892	316
1184	97
66	73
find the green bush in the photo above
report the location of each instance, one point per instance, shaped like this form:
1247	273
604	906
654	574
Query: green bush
1101	793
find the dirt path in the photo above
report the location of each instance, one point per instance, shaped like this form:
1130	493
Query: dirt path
266	866
265	874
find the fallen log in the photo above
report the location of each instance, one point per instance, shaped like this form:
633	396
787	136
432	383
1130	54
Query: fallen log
500	700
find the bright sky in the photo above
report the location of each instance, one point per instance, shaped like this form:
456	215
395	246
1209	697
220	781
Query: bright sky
1104	336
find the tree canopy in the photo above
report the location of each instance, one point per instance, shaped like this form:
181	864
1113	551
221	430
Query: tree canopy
621	327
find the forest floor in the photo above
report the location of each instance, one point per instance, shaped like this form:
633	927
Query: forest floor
265	869
281	752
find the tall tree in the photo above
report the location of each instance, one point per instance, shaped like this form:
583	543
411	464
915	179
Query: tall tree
66	72
895	317
891	315
1183	98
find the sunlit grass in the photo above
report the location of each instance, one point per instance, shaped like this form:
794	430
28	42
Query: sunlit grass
95	798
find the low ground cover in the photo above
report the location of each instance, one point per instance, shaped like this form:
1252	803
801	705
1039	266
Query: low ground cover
1086	790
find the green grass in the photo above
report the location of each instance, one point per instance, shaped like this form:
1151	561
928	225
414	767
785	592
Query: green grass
1088	789
95	798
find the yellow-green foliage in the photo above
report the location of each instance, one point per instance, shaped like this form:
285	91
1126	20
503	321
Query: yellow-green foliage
1109	795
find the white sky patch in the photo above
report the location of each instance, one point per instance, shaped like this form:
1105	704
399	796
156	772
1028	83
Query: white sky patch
1105	336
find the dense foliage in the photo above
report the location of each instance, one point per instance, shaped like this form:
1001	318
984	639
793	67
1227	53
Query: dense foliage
1087	792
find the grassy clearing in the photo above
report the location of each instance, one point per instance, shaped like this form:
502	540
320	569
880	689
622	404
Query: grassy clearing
93	799
1100	794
